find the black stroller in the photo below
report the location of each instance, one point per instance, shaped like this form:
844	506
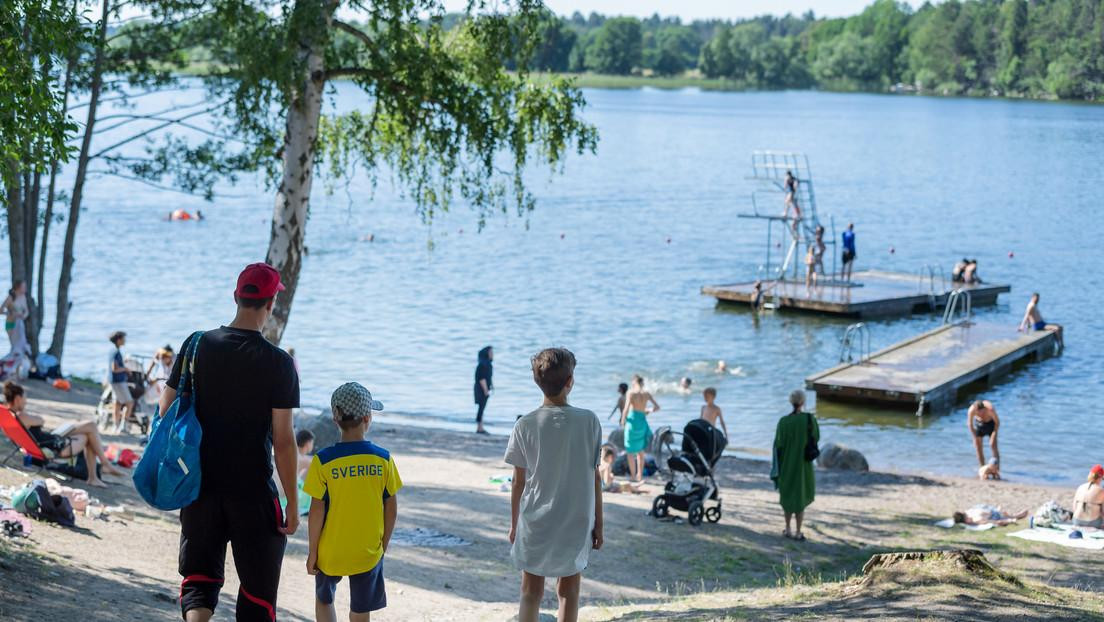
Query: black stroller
691	482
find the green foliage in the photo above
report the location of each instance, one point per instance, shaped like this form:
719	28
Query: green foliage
616	47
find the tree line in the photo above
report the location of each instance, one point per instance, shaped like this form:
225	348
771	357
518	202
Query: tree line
1015	48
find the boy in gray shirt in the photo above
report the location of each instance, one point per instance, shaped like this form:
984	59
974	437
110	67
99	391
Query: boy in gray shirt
556	499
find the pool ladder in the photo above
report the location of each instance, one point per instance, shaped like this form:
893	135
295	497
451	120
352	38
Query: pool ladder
958	297
927	275
855	335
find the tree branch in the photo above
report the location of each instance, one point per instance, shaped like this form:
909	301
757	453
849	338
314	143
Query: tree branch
151	131
356	32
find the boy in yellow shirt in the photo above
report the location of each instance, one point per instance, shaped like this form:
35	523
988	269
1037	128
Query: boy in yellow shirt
353	509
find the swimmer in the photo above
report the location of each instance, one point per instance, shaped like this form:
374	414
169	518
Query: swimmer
179	214
722	367
684	384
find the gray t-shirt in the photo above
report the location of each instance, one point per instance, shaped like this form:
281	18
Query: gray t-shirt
559	449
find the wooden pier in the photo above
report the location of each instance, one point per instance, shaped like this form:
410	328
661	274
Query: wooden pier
872	293
929	371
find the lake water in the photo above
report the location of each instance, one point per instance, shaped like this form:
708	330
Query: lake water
592	268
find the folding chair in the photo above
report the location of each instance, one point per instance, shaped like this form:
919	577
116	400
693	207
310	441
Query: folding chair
23	441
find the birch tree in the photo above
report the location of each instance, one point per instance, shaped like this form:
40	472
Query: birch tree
446	120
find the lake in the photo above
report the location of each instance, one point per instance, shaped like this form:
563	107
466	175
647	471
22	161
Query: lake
592	268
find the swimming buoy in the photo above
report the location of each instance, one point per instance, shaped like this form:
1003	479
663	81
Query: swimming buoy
180	214
62	384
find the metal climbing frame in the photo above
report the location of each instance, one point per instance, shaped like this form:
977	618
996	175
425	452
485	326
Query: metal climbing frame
855	335
768	200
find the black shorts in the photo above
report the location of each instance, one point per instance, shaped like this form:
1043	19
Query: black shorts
848	256
251	523
984	428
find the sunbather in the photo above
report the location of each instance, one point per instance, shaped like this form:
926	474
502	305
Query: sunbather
67	441
986	515
1088	502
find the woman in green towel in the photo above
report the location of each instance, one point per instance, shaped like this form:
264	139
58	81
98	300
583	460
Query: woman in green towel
792	474
634	418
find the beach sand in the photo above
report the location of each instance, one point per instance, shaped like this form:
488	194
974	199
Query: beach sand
125	569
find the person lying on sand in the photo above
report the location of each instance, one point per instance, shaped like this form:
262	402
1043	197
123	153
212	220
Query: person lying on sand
987	514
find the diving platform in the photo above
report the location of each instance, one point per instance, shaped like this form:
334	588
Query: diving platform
870	293
931	369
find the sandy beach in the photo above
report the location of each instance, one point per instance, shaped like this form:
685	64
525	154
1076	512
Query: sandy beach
741	568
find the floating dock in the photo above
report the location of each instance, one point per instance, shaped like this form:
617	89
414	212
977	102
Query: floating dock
871	293
929	370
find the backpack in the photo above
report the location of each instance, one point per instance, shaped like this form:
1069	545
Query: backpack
35	500
168	475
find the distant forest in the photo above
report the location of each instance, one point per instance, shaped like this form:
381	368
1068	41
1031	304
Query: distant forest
1015	48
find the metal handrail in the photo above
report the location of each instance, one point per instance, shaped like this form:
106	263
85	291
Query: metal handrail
958	296
855	332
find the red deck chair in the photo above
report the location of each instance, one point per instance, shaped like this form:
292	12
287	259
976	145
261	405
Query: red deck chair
22	439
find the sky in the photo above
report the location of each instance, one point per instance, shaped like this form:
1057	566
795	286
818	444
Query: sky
690	10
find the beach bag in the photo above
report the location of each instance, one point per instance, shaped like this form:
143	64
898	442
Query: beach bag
168	474
812	452
1050	514
35	500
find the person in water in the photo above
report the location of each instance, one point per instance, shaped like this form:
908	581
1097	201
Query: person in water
484	384
848	251
1088	501
622	389
982	420
634	418
684	385
711	412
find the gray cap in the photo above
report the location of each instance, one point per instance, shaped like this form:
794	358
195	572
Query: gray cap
354	401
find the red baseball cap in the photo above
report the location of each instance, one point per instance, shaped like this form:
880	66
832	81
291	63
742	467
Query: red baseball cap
261	276
1097	470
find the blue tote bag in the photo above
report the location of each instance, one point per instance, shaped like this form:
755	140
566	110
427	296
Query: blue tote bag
168	474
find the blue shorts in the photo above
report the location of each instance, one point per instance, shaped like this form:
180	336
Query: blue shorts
1040	325
365	588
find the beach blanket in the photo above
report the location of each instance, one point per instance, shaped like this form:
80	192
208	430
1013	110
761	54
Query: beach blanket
1092	541
948	523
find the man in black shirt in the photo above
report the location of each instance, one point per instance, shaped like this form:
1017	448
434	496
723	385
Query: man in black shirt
245	389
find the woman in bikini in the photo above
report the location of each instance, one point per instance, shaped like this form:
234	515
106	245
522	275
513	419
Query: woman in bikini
634	418
66	441
1088	502
16	313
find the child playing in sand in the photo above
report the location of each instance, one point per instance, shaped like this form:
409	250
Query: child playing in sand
556	499
605	471
991	470
711	412
349	534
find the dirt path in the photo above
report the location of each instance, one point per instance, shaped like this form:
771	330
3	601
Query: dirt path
126	569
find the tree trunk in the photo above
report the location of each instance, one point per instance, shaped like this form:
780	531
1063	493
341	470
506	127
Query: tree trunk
61	323
16	198
289	216
30	231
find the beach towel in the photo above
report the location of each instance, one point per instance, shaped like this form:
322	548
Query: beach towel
1092	541
948	523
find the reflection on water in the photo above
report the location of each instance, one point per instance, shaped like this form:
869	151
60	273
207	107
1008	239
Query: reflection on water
591	268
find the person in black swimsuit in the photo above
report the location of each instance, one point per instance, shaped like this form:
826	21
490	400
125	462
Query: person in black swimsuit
982	421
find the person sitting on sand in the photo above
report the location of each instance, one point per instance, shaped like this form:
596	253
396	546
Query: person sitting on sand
66	441
1088	501
991	470
987	515
982	421
634	418
605	471
622	389
711	412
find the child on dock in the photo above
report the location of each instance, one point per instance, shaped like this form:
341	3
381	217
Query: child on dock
556	499
711	412
350	530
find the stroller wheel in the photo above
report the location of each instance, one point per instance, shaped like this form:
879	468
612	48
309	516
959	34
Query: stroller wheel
659	507
713	514
695	513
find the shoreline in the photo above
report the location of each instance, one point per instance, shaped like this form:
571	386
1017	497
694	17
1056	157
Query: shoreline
124	568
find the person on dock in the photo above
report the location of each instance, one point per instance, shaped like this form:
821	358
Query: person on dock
353	509
556	499
790	185
982	420
1033	319
818	254
958	272
622	389
711	412
969	273
634	418
848	251
484	384
246	390
1088	501
792	474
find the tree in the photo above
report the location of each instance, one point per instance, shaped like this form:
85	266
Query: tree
1013	23
557	39
445	117
616	47
675	49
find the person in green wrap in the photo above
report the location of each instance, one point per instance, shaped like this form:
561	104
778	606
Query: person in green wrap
634	419
792	474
